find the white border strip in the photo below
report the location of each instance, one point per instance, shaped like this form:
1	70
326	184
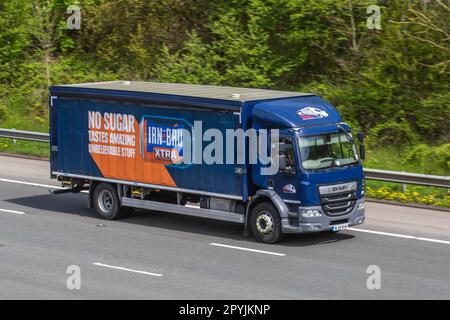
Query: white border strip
247	249
126	269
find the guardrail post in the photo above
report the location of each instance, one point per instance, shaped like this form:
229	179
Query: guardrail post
403	186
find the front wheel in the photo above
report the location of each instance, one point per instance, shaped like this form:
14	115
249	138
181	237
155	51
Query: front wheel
265	223
106	203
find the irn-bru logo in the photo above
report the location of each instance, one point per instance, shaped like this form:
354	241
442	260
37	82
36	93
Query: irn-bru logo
162	139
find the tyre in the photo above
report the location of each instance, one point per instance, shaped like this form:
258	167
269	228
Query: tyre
265	223
106	203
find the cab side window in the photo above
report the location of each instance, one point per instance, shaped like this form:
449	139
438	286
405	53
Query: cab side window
286	156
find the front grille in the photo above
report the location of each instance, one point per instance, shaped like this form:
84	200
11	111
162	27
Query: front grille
338	204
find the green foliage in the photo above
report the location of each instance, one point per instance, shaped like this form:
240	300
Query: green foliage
3	112
432	116
392	83
432	160
193	65
392	133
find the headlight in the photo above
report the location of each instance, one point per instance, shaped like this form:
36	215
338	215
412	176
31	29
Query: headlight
361	206
363	186
306	213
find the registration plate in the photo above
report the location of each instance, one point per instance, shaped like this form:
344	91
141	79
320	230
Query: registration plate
339	227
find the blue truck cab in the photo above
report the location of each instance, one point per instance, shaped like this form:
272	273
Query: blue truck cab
320	184
135	145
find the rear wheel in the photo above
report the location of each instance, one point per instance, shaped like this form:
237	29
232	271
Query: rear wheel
107	204
265	223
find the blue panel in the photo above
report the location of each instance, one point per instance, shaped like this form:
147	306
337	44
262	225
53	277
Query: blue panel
295	112
74	158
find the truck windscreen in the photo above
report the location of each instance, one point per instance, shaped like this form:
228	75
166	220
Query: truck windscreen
326	151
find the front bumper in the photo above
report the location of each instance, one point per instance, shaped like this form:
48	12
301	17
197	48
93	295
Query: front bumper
295	223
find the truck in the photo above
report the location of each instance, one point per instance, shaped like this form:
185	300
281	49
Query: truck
276	162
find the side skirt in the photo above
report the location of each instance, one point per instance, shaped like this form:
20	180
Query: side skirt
185	210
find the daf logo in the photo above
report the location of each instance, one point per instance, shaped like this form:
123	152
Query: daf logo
339	188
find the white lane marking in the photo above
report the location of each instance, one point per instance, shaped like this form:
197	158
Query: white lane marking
399	235
383	233
126	269
247	249
33	184
30	183
11	211
433	240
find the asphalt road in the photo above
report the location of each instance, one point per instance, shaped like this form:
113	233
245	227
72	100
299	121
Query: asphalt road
164	256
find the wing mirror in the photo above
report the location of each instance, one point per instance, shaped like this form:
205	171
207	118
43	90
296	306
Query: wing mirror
360	136
362	149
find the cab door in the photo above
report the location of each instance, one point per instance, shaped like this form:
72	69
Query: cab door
287	181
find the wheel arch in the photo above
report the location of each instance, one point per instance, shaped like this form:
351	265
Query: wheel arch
92	185
264	195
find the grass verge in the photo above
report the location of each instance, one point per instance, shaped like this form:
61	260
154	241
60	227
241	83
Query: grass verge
30	148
